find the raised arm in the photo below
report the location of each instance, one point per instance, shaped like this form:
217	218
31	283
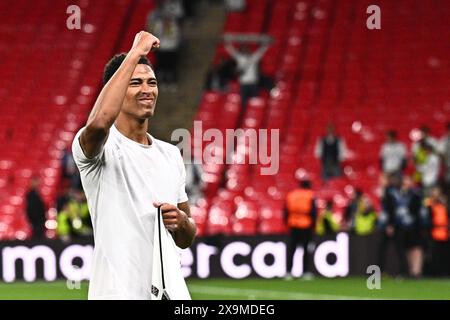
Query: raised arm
260	52
231	50
109	102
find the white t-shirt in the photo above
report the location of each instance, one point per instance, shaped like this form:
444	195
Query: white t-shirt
392	155
248	66
121	183
430	170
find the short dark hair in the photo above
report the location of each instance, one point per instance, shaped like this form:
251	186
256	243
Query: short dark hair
115	62
392	134
358	192
305	184
425	129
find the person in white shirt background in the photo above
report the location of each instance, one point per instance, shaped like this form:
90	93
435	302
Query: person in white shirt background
445	152
164	23
429	169
393	154
425	137
126	175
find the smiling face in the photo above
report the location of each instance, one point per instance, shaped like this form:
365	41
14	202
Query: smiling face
142	93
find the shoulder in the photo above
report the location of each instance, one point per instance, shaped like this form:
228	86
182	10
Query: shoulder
76	140
168	149
165	146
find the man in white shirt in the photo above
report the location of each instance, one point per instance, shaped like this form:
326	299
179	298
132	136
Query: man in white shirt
429	169
126	174
425	137
393	154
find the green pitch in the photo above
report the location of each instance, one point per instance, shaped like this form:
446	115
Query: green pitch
220	289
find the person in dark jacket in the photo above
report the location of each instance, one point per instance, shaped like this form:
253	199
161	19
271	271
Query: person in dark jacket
330	150
401	207
35	209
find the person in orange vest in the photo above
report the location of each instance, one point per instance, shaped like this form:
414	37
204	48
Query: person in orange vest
300	215
438	214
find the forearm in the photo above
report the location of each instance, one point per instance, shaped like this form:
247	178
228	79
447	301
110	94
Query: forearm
109	102
230	49
186	234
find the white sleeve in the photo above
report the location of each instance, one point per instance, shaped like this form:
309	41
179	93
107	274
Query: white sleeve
342	150
318	149
182	195
80	158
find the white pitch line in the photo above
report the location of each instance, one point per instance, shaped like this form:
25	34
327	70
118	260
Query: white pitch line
270	294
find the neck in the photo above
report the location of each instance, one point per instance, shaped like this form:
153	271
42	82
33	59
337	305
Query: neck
133	129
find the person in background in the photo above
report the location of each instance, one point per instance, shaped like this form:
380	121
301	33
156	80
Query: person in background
35	209
235	5
63	224
248	68
393	156
437	209
166	27
74	219
300	215
365	220
350	210
402	224
173	9
331	151
426	138
444	150
429	169
326	222
194	182
220	75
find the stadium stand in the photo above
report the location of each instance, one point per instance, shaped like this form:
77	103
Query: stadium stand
327	69
50	76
